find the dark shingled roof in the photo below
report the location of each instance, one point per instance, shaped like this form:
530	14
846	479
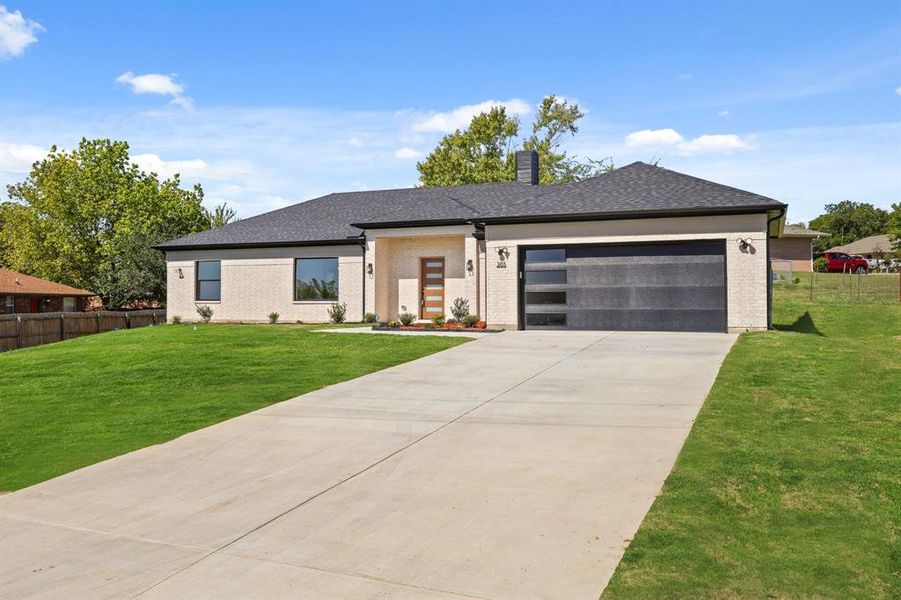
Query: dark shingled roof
635	189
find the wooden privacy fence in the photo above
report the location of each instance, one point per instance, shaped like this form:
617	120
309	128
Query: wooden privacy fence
34	329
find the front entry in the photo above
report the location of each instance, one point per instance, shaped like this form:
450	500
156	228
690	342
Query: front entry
431	298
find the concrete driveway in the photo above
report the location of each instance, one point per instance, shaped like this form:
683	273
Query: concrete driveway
514	466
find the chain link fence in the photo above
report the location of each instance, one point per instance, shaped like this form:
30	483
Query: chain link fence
838	287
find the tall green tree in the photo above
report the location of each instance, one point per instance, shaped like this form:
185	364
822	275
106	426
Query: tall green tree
484	151
89	217
847	221
894	226
223	214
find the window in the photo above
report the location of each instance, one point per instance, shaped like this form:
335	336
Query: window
68	304
545	297
546	319
209	280
316	279
545	277
546	255
10	304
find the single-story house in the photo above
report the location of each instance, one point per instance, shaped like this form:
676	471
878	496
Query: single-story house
794	250
874	246
639	248
26	294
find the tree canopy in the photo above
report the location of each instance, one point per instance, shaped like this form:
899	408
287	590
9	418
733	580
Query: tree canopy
894	226
848	221
90	217
484	152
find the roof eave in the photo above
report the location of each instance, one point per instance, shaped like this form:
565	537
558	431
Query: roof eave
353	241
633	214
414	223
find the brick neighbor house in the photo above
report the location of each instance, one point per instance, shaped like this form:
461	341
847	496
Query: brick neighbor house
639	248
794	248
22	293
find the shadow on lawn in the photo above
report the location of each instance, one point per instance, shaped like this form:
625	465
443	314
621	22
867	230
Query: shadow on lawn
803	324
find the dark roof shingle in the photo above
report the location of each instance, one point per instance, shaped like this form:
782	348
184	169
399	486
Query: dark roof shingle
339	217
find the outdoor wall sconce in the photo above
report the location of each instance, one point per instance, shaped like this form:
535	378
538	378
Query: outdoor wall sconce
469	266
180	274
369	269
743	245
503	253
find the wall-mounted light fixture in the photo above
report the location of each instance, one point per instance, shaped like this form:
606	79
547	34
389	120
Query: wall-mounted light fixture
503	253
180	274
743	245
469	266
369	268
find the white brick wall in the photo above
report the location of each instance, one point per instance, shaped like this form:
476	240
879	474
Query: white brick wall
258	281
746	273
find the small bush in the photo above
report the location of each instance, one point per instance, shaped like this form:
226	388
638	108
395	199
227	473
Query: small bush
470	320
406	318
393	324
205	312
273	318
460	308
175	320
370	318
451	321
438	320
337	313
820	264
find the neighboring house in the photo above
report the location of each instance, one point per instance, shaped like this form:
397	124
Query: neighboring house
639	248
875	246
794	249
26	294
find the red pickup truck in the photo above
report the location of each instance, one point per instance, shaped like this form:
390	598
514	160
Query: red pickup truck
839	262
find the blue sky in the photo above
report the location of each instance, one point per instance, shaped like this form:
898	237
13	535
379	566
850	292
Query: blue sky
268	104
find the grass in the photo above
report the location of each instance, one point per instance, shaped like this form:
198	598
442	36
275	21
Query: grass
67	405
789	485
838	287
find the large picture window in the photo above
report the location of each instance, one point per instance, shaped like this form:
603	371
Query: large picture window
316	279
209	280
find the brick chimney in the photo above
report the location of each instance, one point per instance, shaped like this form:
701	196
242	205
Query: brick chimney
527	167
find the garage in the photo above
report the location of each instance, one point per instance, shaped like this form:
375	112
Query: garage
666	286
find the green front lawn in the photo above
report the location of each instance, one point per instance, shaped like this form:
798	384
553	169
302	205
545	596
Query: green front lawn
789	485
67	405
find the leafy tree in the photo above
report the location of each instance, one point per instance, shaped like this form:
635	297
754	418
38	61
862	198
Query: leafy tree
893	230
223	214
89	217
484	151
847	221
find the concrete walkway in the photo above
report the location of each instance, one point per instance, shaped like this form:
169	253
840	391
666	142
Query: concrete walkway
513	466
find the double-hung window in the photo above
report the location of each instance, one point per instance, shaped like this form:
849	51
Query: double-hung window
315	279
209	281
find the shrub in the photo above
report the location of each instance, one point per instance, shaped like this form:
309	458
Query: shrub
337	313
393	324
370	318
470	320
175	319
460	308
438	320
820	264
406	318
273	318
451	321
205	312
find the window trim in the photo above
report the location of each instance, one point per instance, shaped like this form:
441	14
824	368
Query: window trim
10	305
337	298
197	280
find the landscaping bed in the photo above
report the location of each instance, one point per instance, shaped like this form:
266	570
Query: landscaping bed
479	327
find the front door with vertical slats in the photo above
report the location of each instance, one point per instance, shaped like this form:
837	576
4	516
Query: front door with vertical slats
432	279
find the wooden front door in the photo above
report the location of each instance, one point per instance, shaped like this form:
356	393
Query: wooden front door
431	300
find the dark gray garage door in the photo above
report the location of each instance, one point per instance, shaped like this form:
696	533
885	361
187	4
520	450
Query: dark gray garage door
633	287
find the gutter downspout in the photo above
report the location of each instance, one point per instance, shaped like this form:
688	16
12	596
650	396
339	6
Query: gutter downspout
769	270
363	269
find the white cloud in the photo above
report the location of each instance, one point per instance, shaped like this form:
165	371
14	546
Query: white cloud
460	117
898	90
168	168
723	113
16	33
407	153
18	158
686	76
653	137
156	83
717	144
703	144
355	142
